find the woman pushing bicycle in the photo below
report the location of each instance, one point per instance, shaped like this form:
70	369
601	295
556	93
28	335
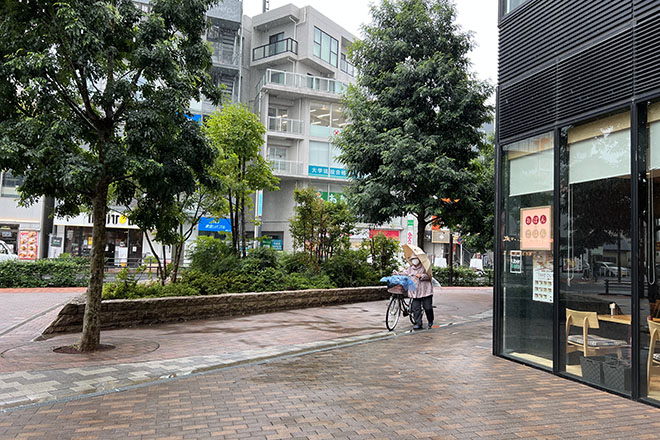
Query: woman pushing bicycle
420	272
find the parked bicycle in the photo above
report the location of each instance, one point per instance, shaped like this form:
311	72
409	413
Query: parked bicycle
399	305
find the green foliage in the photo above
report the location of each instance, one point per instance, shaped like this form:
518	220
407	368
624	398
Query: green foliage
60	272
477	228
350	268
295	262
463	276
320	228
149	290
240	170
213	256
260	259
383	252
415	113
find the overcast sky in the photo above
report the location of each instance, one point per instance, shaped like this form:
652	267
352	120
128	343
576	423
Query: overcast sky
478	16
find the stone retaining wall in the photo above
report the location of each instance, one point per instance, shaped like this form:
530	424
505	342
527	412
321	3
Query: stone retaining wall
120	313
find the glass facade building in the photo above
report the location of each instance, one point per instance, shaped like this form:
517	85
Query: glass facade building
577	288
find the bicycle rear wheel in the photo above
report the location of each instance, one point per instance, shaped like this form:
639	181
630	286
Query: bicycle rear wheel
407	303
392	314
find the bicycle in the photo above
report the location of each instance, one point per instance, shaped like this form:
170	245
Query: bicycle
399	305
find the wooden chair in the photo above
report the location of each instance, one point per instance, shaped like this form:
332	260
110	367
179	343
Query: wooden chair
589	345
653	361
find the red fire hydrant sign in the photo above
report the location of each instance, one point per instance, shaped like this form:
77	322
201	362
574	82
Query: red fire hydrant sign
536	228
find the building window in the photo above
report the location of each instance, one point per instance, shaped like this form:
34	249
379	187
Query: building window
526	240
325	47
323	160
10	184
325	119
345	66
510	5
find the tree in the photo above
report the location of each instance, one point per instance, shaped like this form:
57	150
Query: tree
320	228
383	251
415	113
477	225
93	103
237	135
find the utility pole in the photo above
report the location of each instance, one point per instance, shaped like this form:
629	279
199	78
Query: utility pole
266	5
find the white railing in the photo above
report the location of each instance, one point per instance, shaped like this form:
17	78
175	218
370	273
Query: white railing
285	125
306	82
289	167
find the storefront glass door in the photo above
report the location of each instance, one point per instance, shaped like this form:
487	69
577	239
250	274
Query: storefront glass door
595	252
527	250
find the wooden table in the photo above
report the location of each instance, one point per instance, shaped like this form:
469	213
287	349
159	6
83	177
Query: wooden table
618	319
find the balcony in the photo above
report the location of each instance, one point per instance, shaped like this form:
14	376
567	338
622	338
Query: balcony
285	125
303	83
225	55
287	167
347	67
276	48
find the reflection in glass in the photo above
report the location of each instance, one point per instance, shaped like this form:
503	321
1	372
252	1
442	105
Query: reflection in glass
595	252
527	272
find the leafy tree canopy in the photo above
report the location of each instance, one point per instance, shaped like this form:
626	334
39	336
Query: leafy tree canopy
93	102
415	114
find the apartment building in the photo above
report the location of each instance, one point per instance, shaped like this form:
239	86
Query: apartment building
297	73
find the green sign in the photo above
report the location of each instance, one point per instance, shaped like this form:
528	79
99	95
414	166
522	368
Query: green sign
515	262
411	223
332	196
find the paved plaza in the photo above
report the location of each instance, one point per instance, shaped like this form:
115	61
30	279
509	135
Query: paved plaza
328	381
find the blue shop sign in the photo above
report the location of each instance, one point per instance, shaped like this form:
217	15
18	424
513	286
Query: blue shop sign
277	245
213	224
195	117
316	170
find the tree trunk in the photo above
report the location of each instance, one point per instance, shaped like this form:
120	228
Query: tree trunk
244	251
233	223
91	333
421	227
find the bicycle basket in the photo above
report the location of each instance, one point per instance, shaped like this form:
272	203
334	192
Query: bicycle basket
397	289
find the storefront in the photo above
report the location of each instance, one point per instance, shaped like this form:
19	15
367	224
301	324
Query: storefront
577	286
124	241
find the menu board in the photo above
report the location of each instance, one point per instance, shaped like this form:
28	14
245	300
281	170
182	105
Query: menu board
536	228
543	277
27	245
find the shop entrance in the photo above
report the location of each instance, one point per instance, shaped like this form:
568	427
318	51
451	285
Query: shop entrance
123	246
9	234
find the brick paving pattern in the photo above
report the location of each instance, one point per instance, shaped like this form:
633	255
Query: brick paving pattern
31	372
437	384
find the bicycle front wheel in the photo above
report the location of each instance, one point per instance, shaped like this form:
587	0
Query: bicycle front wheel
392	314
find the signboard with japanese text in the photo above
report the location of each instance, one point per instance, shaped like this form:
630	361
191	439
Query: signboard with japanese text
213	224
386	232
332	196
515	261
536	228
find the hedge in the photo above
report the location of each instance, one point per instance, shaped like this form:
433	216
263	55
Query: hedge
65	272
463	276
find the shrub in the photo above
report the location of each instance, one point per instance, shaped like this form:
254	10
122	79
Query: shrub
297	262
260	259
59	272
463	276
383	252
211	255
152	290
350	269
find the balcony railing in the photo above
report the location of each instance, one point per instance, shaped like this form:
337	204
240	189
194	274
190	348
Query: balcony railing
347	67
225	55
276	48
285	125
288	167
304	82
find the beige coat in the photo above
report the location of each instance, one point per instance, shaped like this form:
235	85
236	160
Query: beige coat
423	283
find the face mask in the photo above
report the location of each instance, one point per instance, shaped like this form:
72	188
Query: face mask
414	261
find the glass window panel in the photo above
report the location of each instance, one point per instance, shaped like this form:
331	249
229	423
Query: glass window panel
527	272
317	35
317	50
595	250
325	47
319	114
334	154
338	117
10	184
319	153
510	5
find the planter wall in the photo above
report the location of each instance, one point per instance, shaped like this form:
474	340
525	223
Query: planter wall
129	313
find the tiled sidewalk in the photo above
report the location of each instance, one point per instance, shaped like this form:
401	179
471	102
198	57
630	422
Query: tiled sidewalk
437	384
31	372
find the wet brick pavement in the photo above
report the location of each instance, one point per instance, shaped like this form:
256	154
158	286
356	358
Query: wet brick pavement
437	384
31	372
